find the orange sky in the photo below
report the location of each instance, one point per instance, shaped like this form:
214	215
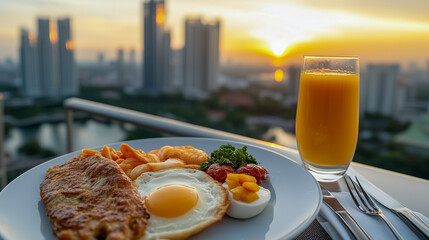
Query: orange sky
251	30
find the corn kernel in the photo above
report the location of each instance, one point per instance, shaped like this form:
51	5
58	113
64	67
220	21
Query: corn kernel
232	176
237	193
246	178
251	187
249	197
232	184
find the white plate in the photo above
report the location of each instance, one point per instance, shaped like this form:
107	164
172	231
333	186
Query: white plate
295	197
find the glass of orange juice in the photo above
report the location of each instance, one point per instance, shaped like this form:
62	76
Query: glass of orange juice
327	117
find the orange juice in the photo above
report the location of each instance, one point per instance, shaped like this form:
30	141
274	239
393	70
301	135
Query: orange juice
327	117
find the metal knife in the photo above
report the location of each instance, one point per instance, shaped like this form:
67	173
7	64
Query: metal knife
408	216
348	220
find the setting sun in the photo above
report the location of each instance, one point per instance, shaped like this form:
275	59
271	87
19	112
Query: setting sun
277	48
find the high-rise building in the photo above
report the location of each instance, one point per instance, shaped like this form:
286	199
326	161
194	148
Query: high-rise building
68	83
362	92
132	57
293	73
46	38
100	59
427	68
47	65
132	72
120	67
381	88
293	78
177	71
30	86
201	57
156	47
167	69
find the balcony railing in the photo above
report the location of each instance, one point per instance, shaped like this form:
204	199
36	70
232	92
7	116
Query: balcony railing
161	124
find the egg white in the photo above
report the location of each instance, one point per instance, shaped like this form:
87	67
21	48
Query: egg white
211	199
243	210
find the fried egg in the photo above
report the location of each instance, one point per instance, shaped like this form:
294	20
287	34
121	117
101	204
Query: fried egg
181	202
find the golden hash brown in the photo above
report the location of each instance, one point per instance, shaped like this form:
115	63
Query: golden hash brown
134	162
90	197
188	154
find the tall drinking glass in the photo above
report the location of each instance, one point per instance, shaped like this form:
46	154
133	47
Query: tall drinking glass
328	115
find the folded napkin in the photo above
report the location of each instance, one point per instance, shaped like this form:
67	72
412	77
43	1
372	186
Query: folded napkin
374	225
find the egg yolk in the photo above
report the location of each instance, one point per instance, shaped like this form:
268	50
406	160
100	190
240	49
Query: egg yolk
171	200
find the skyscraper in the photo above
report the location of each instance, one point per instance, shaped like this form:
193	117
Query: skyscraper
167	69
67	69
100	59
294	74
381	89
177	71
46	38
201	57
47	65
132	76
156	47
120	67
30	86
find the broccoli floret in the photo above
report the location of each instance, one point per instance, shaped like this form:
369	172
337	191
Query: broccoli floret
227	154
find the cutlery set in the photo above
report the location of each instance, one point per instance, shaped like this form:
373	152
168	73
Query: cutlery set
354	227
363	200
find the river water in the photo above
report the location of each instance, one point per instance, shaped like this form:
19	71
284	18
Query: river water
53	136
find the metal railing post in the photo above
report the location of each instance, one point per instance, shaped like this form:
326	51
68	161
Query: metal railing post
69	119
3	171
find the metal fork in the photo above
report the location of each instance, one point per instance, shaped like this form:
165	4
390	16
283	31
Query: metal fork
364	202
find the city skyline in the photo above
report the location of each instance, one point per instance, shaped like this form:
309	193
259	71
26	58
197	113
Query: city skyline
260	29
47	62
